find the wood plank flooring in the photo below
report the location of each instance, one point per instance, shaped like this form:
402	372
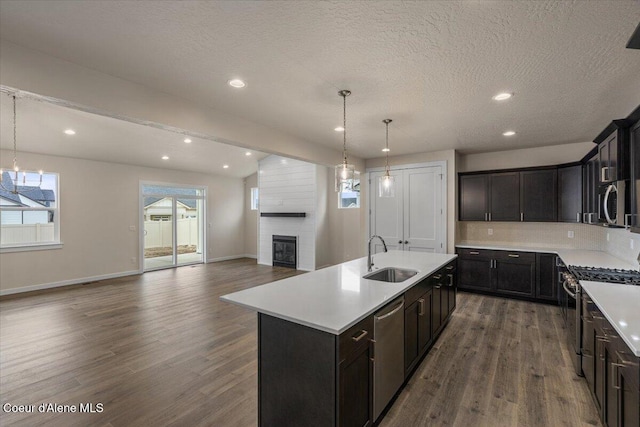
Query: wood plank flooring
162	349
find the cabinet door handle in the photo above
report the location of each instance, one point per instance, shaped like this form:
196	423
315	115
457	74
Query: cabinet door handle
486	216
438	286
614	375
489	216
521	216
474	253
449	267
514	256
603	174
450	276
363	334
578	217
421	307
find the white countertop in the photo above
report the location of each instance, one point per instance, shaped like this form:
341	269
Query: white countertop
620	304
335	298
576	257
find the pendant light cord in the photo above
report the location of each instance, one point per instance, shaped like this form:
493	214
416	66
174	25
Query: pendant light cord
387	146
344	126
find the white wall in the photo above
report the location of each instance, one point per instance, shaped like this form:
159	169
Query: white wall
250	218
448	156
525	157
91	251
323	249
288	185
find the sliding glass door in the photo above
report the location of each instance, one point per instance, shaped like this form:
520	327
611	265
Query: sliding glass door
173	232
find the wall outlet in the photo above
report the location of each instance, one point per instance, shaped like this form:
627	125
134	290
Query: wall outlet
631	244
134	260
490	231
570	234
132	228
608	238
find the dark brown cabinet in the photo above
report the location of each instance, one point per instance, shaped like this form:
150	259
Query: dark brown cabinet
590	187
504	197
510	273
612	372
614	152
474	195
515	273
570	193
546	277
538	195
356	383
428	307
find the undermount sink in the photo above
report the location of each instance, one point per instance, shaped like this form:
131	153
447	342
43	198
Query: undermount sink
391	274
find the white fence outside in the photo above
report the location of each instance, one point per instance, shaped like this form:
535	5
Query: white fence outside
159	234
26	233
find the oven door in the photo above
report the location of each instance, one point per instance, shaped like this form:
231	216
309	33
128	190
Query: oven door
573	325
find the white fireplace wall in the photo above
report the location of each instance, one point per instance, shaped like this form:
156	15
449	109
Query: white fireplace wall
287	185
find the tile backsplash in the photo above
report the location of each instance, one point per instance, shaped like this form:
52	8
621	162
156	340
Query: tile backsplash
617	242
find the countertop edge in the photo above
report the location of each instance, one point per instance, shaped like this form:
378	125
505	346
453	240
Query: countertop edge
622	334
413	281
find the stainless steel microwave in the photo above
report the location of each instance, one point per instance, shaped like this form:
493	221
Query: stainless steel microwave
612	201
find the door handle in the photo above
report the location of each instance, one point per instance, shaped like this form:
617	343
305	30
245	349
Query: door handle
391	313
399	242
406	242
606	201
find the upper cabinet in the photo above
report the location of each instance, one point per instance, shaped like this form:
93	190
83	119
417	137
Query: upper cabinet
569	193
613	153
528	195
539	195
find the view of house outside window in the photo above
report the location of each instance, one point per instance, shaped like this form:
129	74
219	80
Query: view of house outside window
29	209
350	197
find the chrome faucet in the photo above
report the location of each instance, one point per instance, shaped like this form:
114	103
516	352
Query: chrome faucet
369	258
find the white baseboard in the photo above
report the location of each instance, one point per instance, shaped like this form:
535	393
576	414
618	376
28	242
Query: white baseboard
66	283
227	258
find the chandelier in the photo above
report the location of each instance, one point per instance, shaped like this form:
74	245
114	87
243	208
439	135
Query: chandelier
345	173
12	184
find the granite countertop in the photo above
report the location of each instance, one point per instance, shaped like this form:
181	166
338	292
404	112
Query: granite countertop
620	304
335	298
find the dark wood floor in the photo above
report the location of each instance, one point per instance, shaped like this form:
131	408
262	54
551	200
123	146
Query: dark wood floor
161	349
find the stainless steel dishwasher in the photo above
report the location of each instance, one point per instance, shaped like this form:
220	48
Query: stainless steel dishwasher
388	363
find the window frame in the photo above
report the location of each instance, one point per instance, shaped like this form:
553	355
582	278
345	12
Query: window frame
56	243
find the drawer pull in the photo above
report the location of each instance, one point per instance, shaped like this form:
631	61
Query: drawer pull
514	256
474	253
359	337
437	276
449	267
421	307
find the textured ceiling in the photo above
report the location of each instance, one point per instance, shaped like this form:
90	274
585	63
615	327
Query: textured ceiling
431	66
40	129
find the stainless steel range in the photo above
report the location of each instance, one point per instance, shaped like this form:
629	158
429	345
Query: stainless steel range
571	294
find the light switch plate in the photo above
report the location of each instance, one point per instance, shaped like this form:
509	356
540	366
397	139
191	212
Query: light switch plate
570	234
490	231
631	244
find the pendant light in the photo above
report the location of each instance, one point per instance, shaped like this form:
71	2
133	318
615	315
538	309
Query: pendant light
386	183
6	182
345	172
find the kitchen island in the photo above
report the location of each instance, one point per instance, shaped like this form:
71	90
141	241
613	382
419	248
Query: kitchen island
316	343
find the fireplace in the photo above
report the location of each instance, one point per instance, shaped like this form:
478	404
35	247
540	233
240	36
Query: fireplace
285	253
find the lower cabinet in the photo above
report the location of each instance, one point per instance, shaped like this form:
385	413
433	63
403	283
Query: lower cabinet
356	384
428	307
611	370
510	273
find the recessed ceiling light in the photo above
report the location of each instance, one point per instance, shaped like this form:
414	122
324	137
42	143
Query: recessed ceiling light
225	166
237	83
165	157
248	153
385	150
70	132
187	140
502	96
509	133
339	129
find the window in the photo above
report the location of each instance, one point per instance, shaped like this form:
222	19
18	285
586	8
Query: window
29	217
254	199
350	197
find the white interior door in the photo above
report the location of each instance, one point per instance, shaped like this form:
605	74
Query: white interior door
414	219
386	213
424	223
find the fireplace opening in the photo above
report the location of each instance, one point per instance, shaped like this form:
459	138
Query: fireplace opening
285	252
